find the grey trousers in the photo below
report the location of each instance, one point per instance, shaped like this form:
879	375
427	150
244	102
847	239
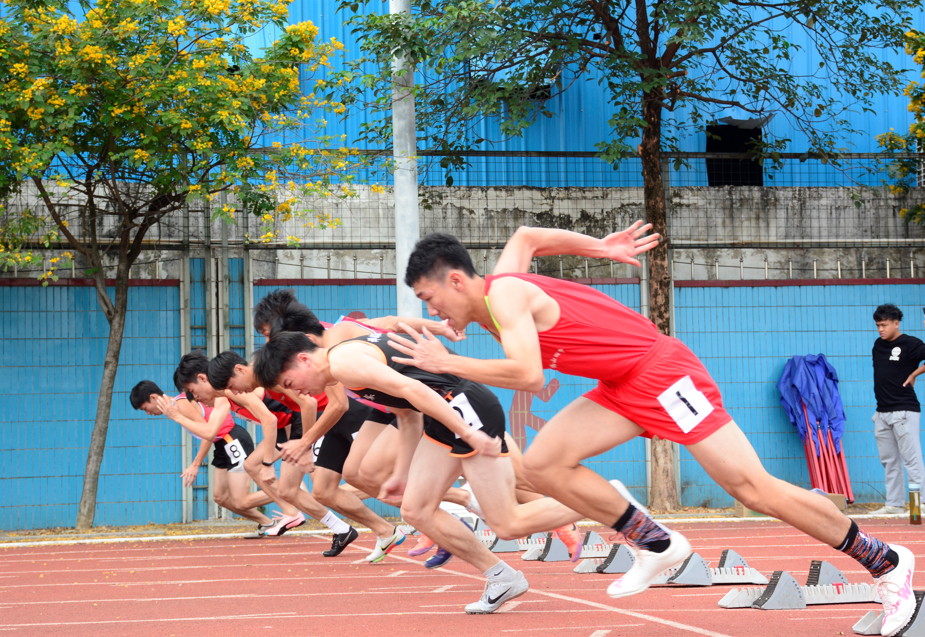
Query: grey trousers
899	444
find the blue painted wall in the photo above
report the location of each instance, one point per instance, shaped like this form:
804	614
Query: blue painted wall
51	351
745	336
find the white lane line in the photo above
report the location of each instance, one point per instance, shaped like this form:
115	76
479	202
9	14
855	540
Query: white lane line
600	633
443	589
521	630
519	601
396	574
575	600
508	607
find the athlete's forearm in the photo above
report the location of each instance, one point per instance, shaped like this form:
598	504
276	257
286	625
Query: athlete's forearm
527	243
204	445
506	373
267	447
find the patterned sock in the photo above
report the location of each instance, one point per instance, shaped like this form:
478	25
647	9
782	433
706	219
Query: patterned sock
874	555
642	531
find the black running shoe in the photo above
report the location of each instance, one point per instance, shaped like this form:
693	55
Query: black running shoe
341	540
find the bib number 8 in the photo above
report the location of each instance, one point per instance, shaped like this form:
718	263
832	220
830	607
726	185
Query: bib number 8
463	407
235	452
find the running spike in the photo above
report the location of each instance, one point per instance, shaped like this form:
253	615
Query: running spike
871	623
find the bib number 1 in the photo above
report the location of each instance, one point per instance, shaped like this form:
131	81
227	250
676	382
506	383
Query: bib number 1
463	407
686	405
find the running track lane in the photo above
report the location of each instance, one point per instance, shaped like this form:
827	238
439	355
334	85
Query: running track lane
284	586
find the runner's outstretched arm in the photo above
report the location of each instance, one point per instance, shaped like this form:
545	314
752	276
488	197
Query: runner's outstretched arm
527	243
393	324
523	367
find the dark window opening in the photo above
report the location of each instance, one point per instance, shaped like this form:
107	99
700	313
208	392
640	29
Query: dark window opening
724	138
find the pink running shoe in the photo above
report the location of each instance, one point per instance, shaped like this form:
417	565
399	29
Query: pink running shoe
423	546
895	590
285	522
571	537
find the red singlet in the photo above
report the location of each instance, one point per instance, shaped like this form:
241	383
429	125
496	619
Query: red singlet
282	412
649	378
227	426
595	337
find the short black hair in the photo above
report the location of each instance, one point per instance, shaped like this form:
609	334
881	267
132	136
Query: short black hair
191	365
434	255
278	355
281	310
221	368
141	393
888	312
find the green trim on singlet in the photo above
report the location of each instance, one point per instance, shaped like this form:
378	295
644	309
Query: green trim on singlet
491	314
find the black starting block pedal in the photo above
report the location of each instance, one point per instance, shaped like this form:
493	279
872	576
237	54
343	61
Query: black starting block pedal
871	623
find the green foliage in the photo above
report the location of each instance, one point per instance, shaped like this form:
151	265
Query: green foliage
901	173
483	63
131	109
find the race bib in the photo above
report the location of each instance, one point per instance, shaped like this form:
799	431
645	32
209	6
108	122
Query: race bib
316	448
686	405
235	451
464	408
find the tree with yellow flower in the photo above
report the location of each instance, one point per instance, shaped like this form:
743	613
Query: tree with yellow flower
113	115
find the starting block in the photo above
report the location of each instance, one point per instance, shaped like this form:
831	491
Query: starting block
733	569
824	585
554	550
871	622
534	552
619	560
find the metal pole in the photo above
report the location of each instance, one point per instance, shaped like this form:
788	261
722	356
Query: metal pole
381	271
814	268
838	266
888	268
561	276
741	268
692	267
354	265
912	267
864	268
329	266
157	268
587	276
716	268
765	267
301	265
404	152
790	265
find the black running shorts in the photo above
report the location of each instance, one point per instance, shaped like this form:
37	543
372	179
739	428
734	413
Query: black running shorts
295	430
227	455
382	417
479	407
335	445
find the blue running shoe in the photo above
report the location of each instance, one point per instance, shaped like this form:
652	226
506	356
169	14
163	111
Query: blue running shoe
442	556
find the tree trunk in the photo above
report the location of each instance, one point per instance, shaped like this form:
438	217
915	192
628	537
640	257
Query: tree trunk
663	494
87	508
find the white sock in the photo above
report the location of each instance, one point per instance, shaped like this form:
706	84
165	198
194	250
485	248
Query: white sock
500	572
335	523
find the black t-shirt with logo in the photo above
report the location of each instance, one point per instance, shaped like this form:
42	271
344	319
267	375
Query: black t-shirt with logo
893	362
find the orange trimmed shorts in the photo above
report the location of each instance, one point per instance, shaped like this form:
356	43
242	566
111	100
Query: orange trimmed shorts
479	407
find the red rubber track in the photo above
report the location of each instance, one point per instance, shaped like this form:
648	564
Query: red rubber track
285	587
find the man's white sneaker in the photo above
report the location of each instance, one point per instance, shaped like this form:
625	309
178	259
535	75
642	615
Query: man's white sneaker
895	590
886	509
473	506
496	593
385	546
649	565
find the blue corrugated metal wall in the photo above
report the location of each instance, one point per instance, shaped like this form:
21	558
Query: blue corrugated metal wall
582	112
745	336
51	350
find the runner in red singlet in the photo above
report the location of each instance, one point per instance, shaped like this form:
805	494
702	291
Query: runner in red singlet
232	444
649	384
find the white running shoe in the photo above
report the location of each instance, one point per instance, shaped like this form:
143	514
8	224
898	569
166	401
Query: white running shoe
473	506
496	593
887	509
649	565
895	590
385	546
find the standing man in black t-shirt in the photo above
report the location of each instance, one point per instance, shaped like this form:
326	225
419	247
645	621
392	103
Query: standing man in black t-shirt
896	421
